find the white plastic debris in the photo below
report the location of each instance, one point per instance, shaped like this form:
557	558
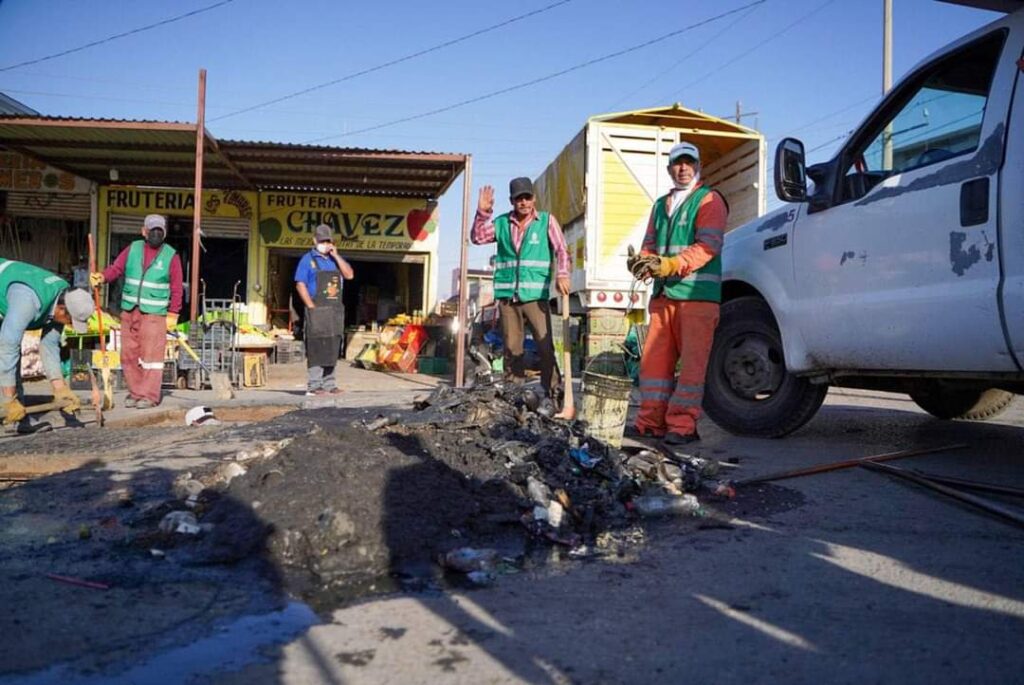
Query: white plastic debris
183	522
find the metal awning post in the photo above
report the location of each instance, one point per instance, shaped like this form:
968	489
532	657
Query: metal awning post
197	209
460	342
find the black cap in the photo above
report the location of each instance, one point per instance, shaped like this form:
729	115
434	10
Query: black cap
520	186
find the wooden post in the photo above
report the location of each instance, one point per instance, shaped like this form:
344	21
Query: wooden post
460	341
197	210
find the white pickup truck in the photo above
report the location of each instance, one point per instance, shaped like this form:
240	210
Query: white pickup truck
899	265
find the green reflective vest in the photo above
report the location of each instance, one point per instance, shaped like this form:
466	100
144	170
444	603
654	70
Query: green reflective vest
525	275
149	290
46	285
675	233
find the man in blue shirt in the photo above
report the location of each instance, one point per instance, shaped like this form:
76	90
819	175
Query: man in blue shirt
318	281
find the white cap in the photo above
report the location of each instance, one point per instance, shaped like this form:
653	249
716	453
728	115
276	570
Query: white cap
683	149
79	304
155	221
200	416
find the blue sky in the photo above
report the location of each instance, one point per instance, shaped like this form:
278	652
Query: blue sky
807	67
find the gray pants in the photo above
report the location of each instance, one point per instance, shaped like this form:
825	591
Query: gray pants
320	378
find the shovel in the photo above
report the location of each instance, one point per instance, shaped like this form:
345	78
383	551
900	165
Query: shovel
108	390
219	380
568	403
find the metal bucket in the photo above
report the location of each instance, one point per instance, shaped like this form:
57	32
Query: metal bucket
605	405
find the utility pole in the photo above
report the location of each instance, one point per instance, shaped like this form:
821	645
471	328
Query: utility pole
740	113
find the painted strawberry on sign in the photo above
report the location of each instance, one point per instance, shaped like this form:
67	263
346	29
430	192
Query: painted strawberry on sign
420	223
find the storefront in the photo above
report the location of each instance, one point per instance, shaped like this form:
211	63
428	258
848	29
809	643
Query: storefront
228	257
391	244
44	214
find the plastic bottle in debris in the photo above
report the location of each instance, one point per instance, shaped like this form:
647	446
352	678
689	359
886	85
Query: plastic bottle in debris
667	505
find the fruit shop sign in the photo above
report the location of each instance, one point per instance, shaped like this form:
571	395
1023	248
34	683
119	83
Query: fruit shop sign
360	223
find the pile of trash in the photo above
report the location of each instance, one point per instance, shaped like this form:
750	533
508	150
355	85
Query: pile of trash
467	481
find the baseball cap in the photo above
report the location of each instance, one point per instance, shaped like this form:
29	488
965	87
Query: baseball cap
520	186
79	304
683	149
155	221
324	232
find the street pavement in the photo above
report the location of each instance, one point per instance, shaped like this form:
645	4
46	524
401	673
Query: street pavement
858	579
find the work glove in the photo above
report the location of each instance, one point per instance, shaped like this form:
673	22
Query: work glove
72	402
667	266
96	279
172	320
632	258
14	411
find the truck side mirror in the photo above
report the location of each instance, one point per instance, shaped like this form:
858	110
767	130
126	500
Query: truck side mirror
790	171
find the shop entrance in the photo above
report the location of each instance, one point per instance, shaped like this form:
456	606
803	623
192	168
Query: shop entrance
384	286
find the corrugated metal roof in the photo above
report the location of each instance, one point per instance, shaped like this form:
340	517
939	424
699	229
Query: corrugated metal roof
163	153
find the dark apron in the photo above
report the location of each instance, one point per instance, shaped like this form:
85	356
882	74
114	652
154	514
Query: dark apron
325	323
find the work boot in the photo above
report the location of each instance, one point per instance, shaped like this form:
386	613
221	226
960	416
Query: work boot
680	439
145	404
634	433
130	402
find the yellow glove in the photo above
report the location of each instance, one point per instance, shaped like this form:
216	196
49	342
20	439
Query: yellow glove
72	402
172	320
96	279
14	411
669	266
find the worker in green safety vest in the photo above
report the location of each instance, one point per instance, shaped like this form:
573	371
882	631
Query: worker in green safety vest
529	241
32	298
150	301
681	252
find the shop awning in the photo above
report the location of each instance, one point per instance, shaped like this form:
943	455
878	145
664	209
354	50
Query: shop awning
160	153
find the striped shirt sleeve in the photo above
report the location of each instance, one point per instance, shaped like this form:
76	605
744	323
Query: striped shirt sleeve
483	228
557	239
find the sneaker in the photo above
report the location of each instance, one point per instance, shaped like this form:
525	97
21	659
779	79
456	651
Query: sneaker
316	393
335	391
679	439
145	404
130	402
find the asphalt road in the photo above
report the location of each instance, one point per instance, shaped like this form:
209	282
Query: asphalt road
857	579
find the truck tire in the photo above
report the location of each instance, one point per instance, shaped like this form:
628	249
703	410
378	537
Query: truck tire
748	390
964	404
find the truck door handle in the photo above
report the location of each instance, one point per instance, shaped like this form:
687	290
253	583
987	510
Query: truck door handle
974	202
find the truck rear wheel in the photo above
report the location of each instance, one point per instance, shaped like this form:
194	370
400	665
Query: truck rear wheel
965	404
748	390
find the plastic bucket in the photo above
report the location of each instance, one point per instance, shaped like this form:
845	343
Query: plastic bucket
605	406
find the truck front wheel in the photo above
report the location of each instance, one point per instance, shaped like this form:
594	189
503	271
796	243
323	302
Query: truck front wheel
748	390
965	404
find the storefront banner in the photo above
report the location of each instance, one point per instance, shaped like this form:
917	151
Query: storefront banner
228	204
18	172
360	223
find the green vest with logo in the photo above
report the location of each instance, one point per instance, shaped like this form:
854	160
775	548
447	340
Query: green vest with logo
149	290
675	233
525	275
46	285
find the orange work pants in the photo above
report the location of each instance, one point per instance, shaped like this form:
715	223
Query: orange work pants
143	339
681	331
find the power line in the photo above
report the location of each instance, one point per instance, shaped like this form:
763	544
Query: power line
406	58
767	40
542	79
118	35
700	47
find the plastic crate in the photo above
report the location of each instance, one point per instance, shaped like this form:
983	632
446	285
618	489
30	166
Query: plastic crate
434	366
170	375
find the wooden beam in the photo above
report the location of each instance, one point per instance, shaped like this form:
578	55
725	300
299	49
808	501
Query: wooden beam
227	160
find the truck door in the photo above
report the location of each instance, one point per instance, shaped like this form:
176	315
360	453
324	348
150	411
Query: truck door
897	259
